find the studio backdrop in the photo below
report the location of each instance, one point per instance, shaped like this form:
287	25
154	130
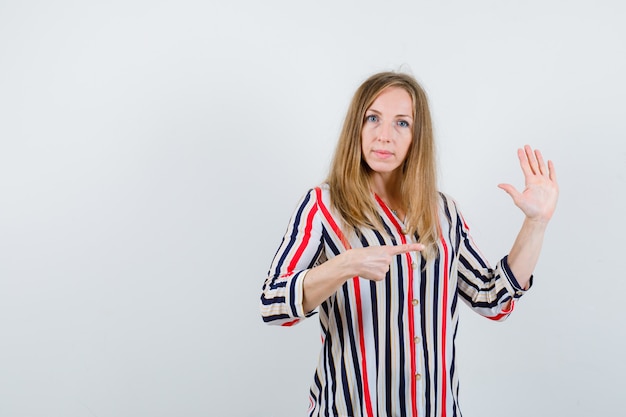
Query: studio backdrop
152	152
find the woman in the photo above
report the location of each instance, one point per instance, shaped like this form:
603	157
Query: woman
383	257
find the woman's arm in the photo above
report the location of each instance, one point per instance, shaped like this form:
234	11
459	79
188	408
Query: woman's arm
300	249
295	287
371	263
538	202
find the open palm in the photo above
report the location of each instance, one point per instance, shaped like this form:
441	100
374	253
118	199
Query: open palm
541	191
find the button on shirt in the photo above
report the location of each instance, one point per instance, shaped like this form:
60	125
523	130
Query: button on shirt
387	347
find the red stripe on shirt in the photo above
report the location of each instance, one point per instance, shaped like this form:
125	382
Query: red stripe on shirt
357	296
305	241
503	313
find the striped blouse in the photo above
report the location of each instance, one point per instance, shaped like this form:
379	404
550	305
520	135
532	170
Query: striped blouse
388	347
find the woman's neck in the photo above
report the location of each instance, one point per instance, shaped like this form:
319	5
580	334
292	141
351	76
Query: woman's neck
387	187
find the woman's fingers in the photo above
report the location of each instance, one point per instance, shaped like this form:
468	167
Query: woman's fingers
374	262
540	163
538	199
532	160
552	172
407	247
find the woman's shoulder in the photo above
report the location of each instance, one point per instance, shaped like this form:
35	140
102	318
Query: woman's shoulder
448	206
320	189
446	199
318	193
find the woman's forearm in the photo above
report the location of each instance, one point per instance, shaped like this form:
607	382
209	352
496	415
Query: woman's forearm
525	252
323	281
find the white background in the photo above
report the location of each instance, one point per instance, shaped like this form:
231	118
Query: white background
151	153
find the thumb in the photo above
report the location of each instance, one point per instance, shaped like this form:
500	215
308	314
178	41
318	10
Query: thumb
510	190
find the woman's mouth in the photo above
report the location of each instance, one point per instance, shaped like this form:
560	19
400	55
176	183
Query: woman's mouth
382	154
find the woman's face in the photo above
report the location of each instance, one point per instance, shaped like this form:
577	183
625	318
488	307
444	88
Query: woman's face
387	130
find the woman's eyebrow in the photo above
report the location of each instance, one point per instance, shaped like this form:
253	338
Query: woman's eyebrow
370	110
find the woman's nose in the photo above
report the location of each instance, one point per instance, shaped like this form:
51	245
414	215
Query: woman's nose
385	132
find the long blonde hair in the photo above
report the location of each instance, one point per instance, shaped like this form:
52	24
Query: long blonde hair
348	178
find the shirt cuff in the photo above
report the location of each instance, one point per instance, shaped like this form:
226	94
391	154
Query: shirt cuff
295	294
518	291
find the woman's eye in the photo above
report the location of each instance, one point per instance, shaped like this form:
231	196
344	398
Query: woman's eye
403	123
371	118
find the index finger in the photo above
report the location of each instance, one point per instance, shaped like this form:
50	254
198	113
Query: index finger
407	247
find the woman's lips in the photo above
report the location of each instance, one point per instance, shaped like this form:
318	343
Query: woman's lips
382	154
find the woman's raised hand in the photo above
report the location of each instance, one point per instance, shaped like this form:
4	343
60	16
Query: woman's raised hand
539	197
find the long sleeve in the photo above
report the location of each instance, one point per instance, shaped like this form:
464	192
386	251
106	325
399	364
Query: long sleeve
486	290
300	250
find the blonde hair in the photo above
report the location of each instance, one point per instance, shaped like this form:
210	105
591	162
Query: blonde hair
348	178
